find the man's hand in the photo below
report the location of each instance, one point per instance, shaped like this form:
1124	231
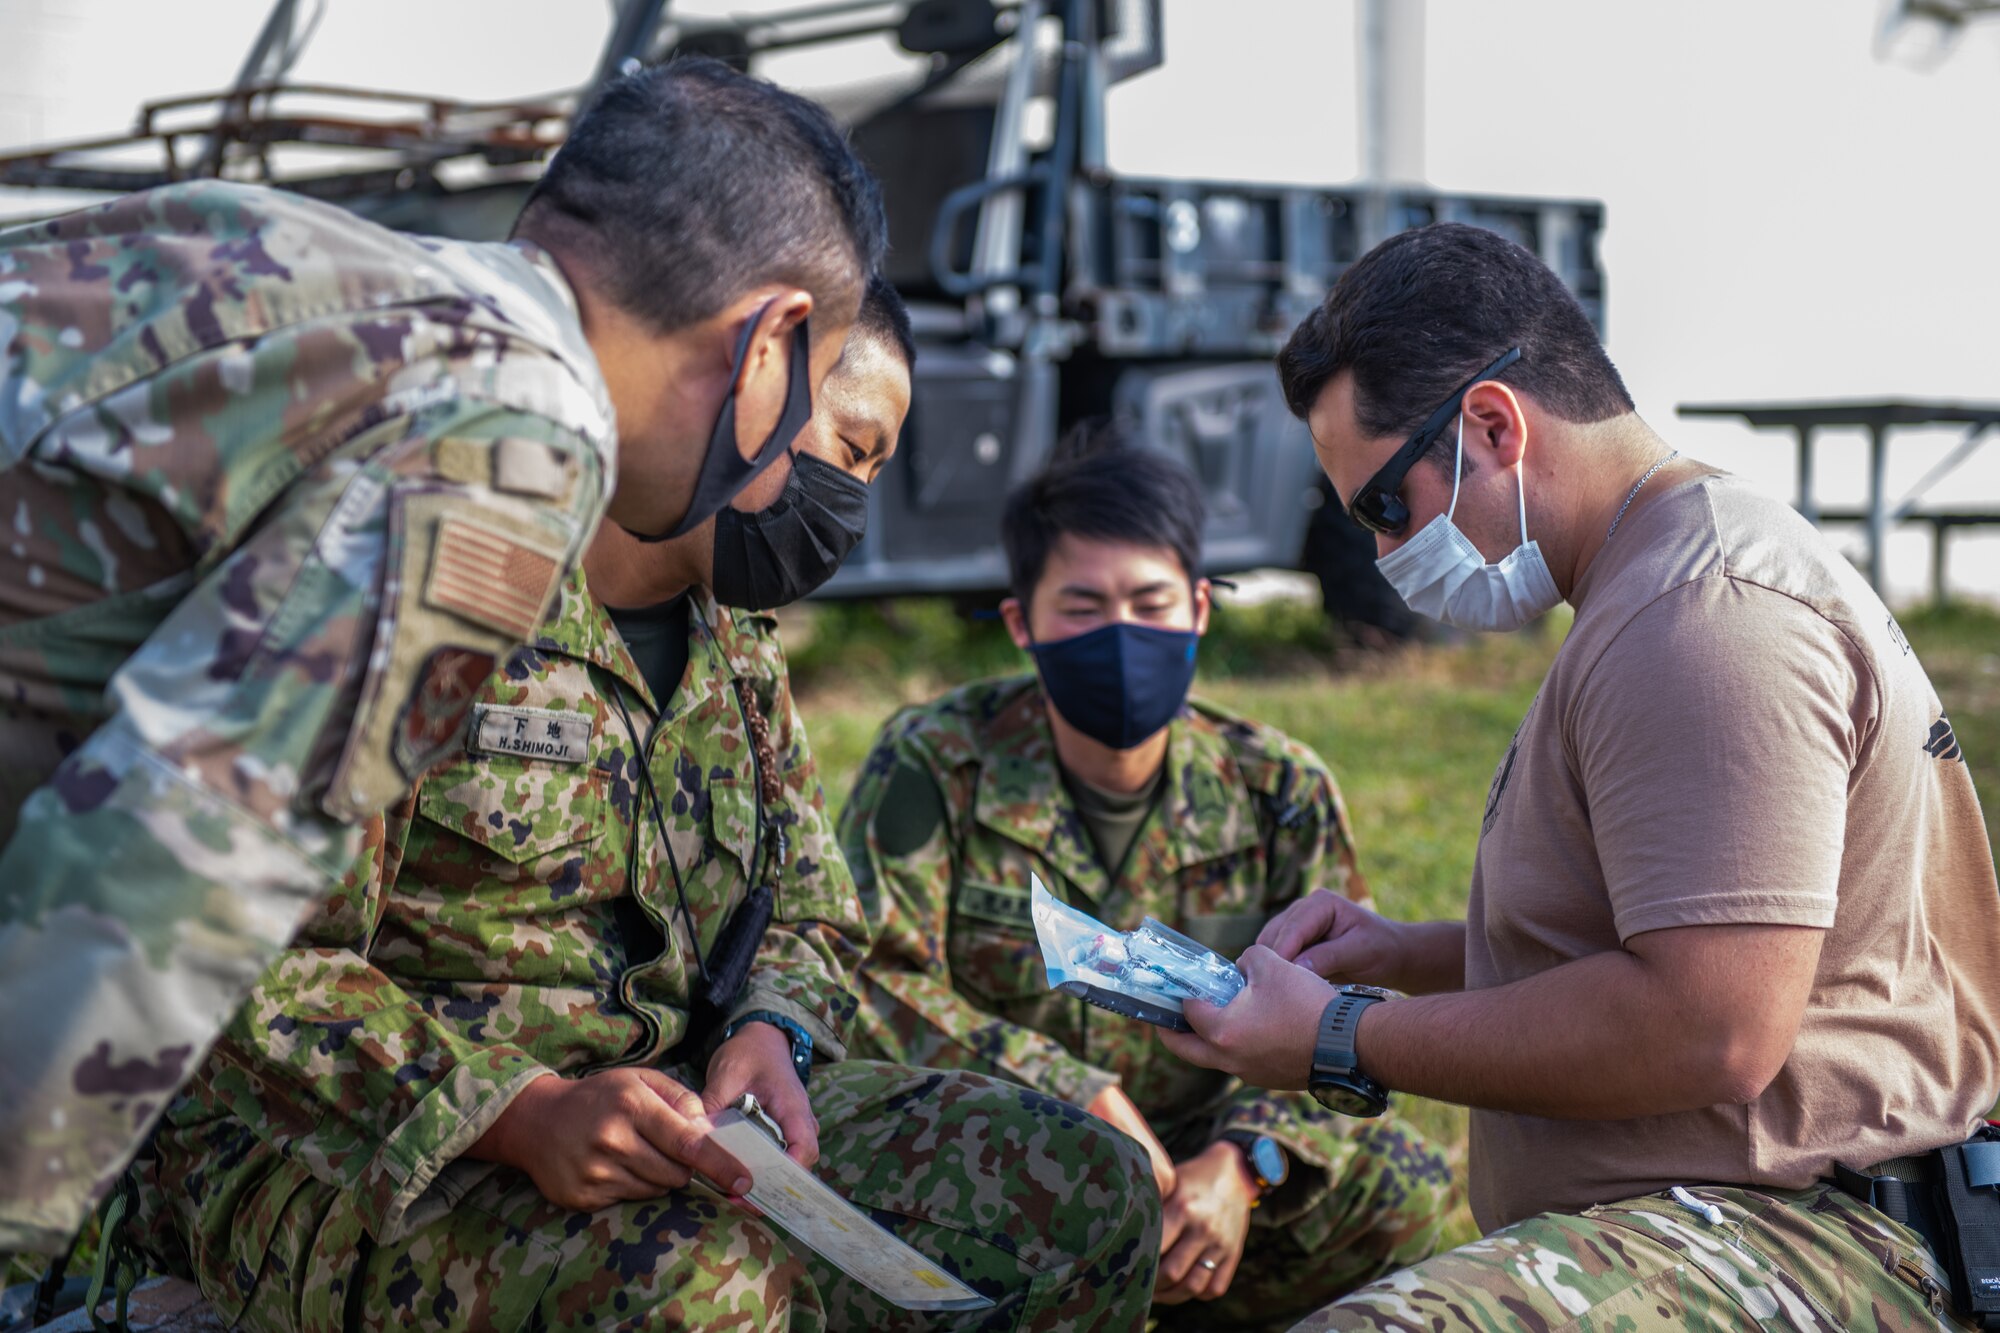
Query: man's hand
1204	1223
1264	1036
1337	938
1345	942
758	1060
621	1134
1115	1109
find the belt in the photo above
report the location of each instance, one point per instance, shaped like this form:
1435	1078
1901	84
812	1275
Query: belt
1903	1189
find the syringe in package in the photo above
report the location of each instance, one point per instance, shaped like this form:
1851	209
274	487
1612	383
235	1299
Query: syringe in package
1143	974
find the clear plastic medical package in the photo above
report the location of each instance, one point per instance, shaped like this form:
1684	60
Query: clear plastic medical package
1143	974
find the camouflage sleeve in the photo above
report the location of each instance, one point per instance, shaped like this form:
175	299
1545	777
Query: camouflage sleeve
1310	848
817	933
334	1061
899	839
319	659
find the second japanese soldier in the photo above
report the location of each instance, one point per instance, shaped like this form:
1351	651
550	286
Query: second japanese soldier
1098	774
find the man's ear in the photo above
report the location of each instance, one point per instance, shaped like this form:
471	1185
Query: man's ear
765	375
1015	616
771	336
1204	598
1495	423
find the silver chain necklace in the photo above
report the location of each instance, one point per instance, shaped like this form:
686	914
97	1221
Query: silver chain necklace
1635	491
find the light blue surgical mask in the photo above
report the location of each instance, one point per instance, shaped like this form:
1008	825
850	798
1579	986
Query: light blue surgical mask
1441	574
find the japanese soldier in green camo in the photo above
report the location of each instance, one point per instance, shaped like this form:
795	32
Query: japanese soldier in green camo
1128	799
474	1093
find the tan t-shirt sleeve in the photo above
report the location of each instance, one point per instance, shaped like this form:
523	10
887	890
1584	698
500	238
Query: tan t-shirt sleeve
1715	743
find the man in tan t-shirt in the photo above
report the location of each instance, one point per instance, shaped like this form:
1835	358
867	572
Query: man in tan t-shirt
1733	915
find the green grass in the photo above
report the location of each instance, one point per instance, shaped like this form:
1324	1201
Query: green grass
1412	737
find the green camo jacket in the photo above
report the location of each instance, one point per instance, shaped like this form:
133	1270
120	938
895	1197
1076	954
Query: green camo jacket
517	915
1249	820
279	488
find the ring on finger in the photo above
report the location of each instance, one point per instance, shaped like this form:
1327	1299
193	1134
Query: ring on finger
1211	1264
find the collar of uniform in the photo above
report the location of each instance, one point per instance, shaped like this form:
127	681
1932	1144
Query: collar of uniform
581	628
1205	812
545	265
716	653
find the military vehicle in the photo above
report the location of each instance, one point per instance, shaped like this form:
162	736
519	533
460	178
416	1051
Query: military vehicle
1047	288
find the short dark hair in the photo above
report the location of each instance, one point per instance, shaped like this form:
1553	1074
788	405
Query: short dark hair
685	184
1422	312
886	319
1118	493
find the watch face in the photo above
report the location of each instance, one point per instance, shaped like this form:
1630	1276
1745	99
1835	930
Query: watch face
1268	1158
1348	1100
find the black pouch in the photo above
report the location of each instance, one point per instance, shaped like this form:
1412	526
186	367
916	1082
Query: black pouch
1968	1199
729	964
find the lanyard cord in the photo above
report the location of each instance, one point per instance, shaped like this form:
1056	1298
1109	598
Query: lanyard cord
660	824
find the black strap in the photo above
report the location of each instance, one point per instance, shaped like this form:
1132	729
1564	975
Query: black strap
1903	1189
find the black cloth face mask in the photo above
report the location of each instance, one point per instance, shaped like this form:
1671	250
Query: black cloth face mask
724	473
779	554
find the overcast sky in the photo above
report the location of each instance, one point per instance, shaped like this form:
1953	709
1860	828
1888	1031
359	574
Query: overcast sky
1790	215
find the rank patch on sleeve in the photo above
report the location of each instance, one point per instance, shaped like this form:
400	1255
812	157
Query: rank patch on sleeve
490	578
531	733
433	718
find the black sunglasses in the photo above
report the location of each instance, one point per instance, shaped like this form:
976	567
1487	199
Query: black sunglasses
1378	506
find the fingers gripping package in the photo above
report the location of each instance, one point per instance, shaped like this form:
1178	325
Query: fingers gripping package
1143	974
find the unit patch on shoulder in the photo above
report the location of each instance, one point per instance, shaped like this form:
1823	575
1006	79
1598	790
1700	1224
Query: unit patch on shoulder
491	578
433	718
531	733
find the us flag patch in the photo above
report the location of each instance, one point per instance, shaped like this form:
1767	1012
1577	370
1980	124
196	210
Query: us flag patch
490	578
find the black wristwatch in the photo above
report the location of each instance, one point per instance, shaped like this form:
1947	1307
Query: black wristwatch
1337	1081
802	1042
1269	1162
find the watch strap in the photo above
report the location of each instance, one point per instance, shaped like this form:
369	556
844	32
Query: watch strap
1339	1022
1247	1140
802	1042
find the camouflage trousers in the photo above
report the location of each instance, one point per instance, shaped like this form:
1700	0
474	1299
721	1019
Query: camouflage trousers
1363	1199
1812	1261
1022	1196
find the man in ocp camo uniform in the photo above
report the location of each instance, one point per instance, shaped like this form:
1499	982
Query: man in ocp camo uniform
470	1096
282	487
1129	800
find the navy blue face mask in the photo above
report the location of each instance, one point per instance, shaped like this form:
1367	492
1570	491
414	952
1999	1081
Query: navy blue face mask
1119	683
724	473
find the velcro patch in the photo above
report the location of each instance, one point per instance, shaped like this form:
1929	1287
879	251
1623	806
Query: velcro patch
490	578
529	467
531	733
999	903
433	717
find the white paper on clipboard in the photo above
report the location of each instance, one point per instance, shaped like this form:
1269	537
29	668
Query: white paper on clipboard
812	1214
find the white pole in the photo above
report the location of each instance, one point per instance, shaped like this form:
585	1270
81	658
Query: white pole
1390	51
